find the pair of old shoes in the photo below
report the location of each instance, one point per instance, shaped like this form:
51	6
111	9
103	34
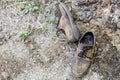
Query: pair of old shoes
85	50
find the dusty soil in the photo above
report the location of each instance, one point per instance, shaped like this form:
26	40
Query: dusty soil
46	56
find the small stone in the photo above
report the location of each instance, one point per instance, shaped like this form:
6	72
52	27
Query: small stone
63	48
92	1
99	49
82	1
85	16
86	2
106	2
5	75
0	77
32	47
118	25
96	43
1	36
1	43
93	7
0	28
25	11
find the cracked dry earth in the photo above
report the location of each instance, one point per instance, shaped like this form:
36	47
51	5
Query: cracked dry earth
46	56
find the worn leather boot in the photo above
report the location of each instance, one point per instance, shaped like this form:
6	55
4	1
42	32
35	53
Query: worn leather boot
66	24
84	54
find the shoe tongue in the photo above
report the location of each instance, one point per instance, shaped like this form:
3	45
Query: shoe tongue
83	50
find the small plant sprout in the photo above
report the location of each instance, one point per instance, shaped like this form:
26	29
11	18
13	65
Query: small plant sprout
41	9
18	0
44	28
52	21
24	35
31	7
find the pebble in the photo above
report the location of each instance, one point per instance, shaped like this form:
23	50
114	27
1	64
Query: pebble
105	3
1	43
32	47
87	1
0	28
99	49
1	36
0	77
118	24
25	11
92	1
5	75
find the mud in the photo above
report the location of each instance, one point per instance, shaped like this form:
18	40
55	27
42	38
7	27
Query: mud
46	56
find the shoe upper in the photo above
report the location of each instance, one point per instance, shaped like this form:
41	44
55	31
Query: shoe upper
84	54
66	24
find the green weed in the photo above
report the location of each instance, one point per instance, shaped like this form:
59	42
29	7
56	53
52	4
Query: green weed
44	28
41	9
53	12
18	0
31	7
25	34
51	21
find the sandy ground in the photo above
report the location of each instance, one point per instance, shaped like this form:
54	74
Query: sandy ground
46	56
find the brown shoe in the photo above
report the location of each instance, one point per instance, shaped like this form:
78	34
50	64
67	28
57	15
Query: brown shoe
66	24
82	58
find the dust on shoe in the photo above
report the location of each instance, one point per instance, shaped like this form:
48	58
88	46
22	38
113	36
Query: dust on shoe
66	24
84	54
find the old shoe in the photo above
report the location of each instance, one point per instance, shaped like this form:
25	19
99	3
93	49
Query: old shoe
66	24
84	54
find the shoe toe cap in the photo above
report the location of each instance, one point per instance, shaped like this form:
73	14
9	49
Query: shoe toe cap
80	69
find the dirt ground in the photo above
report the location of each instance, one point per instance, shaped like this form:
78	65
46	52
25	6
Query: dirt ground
47	56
